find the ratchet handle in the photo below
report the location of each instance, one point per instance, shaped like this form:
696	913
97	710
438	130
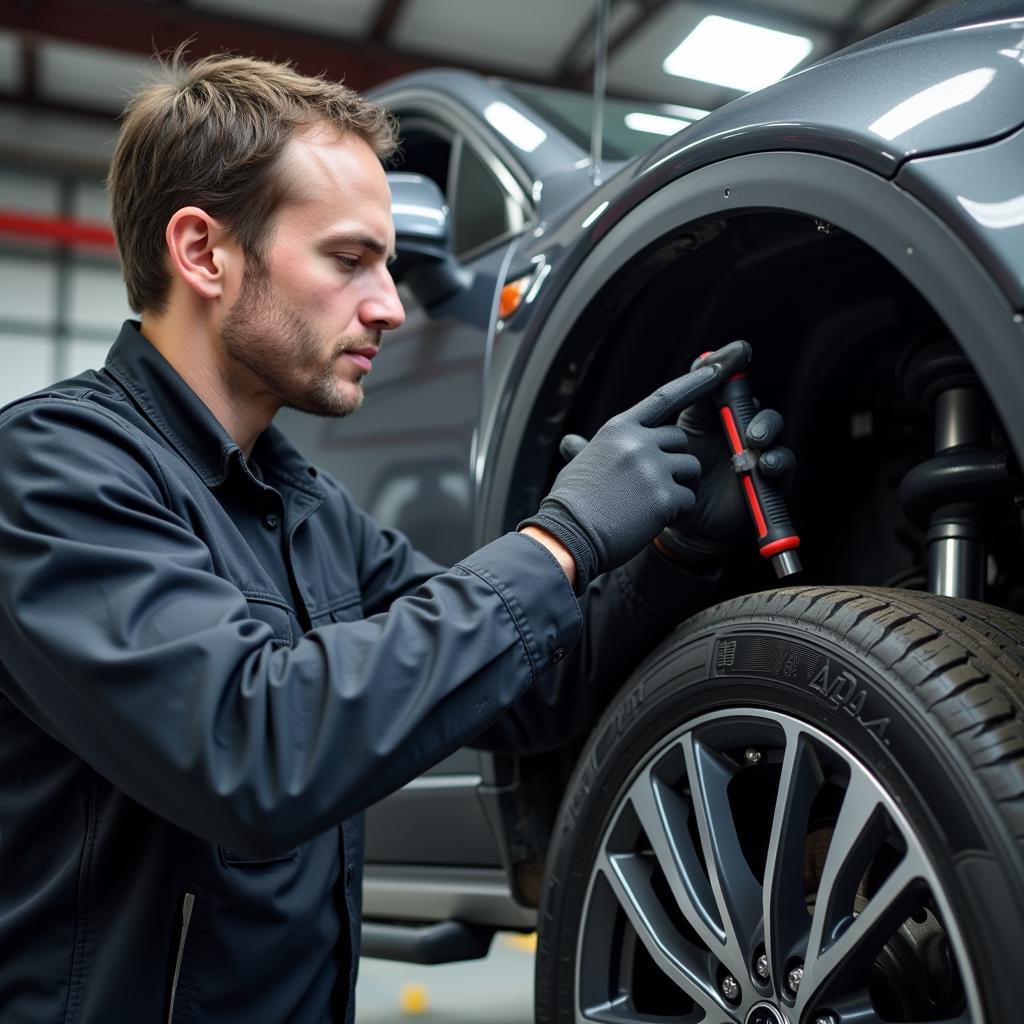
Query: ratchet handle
777	539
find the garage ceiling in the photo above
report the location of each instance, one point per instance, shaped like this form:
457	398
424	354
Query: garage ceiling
81	58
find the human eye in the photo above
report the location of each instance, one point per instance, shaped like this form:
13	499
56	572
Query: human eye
346	261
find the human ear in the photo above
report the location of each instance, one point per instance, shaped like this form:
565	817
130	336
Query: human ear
196	241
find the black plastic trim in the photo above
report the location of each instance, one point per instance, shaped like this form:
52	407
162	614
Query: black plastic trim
439	943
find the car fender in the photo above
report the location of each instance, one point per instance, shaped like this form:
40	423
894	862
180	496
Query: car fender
978	193
947	81
535	370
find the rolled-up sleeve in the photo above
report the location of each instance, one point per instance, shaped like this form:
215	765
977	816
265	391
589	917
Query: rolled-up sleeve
120	641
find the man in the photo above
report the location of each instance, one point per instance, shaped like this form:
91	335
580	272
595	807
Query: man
212	660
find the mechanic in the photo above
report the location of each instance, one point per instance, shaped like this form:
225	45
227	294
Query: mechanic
213	661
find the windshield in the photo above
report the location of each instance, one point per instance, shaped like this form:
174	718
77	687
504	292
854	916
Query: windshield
630	126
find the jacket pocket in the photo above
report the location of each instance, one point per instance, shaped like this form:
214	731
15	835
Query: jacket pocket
229	858
274	613
188	903
345	609
342	608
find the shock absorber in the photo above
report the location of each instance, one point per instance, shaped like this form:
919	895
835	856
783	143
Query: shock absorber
952	493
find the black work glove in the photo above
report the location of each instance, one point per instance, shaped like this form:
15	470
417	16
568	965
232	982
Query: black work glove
628	483
720	518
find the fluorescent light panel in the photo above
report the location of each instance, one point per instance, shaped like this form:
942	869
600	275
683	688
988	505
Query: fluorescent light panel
736	54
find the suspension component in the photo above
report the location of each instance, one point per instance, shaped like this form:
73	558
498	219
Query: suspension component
952	492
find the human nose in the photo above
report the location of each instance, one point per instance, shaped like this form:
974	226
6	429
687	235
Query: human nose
383	310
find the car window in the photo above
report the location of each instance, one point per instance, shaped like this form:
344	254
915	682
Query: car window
481	208
484	206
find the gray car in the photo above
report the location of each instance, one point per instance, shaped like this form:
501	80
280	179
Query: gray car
807	805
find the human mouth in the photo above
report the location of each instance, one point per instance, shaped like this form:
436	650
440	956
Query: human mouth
361	357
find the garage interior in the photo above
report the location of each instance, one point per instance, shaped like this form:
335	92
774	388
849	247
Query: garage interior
67	66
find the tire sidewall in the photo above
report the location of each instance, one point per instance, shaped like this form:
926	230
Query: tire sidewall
858	704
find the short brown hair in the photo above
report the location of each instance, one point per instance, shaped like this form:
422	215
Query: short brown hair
210	136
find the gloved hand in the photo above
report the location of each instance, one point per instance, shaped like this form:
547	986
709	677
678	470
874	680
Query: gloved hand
628	483
720	518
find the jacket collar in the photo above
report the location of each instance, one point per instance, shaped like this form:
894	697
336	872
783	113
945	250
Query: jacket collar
188	425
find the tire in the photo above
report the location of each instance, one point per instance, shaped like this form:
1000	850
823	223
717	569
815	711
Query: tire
806	804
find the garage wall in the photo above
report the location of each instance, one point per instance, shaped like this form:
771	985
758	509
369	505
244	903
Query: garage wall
60	308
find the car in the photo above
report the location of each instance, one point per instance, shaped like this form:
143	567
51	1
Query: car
807	804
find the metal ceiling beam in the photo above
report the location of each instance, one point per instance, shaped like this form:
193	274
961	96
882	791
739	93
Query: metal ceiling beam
29	90
387	15
758	13
580	79
163	24
22	101
912	10
852	30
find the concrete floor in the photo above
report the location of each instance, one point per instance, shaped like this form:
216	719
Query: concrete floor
497	989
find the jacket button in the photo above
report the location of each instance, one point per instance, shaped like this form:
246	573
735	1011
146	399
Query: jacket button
271	521
556	656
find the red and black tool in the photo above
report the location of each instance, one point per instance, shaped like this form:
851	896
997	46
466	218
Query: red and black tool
776	537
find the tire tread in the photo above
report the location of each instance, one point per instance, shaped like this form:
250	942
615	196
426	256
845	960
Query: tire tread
962	662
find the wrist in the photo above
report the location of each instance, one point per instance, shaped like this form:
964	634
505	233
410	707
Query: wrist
560	552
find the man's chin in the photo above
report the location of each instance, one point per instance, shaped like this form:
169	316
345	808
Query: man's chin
337	400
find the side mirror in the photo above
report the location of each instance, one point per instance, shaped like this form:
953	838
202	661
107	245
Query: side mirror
423	249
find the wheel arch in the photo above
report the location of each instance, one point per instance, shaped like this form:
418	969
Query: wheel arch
892	223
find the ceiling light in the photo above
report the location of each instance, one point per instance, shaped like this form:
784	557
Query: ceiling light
735	54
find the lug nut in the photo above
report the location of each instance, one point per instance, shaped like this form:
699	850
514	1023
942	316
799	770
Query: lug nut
762	966
794	978
730	988
752	755
824	1018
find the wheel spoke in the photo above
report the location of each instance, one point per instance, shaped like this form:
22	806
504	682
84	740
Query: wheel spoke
785	916
855	838
842	944
737	893
664	816
629	876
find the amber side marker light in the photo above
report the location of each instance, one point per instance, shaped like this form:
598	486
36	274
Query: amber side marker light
512	297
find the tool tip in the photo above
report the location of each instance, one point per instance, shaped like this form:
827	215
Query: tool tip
786	563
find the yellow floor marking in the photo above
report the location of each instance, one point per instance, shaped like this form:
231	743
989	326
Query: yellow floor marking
414	999
524	943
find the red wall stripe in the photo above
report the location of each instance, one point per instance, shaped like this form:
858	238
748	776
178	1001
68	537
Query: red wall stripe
56	229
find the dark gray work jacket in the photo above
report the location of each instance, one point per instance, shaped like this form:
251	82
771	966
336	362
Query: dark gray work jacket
210	666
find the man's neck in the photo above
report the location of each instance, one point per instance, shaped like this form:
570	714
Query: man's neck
190	345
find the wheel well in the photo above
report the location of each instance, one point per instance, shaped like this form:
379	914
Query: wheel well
832	324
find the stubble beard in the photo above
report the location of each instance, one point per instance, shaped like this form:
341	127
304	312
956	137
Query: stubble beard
278	346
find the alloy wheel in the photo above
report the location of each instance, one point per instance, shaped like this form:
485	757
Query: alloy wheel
754	870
